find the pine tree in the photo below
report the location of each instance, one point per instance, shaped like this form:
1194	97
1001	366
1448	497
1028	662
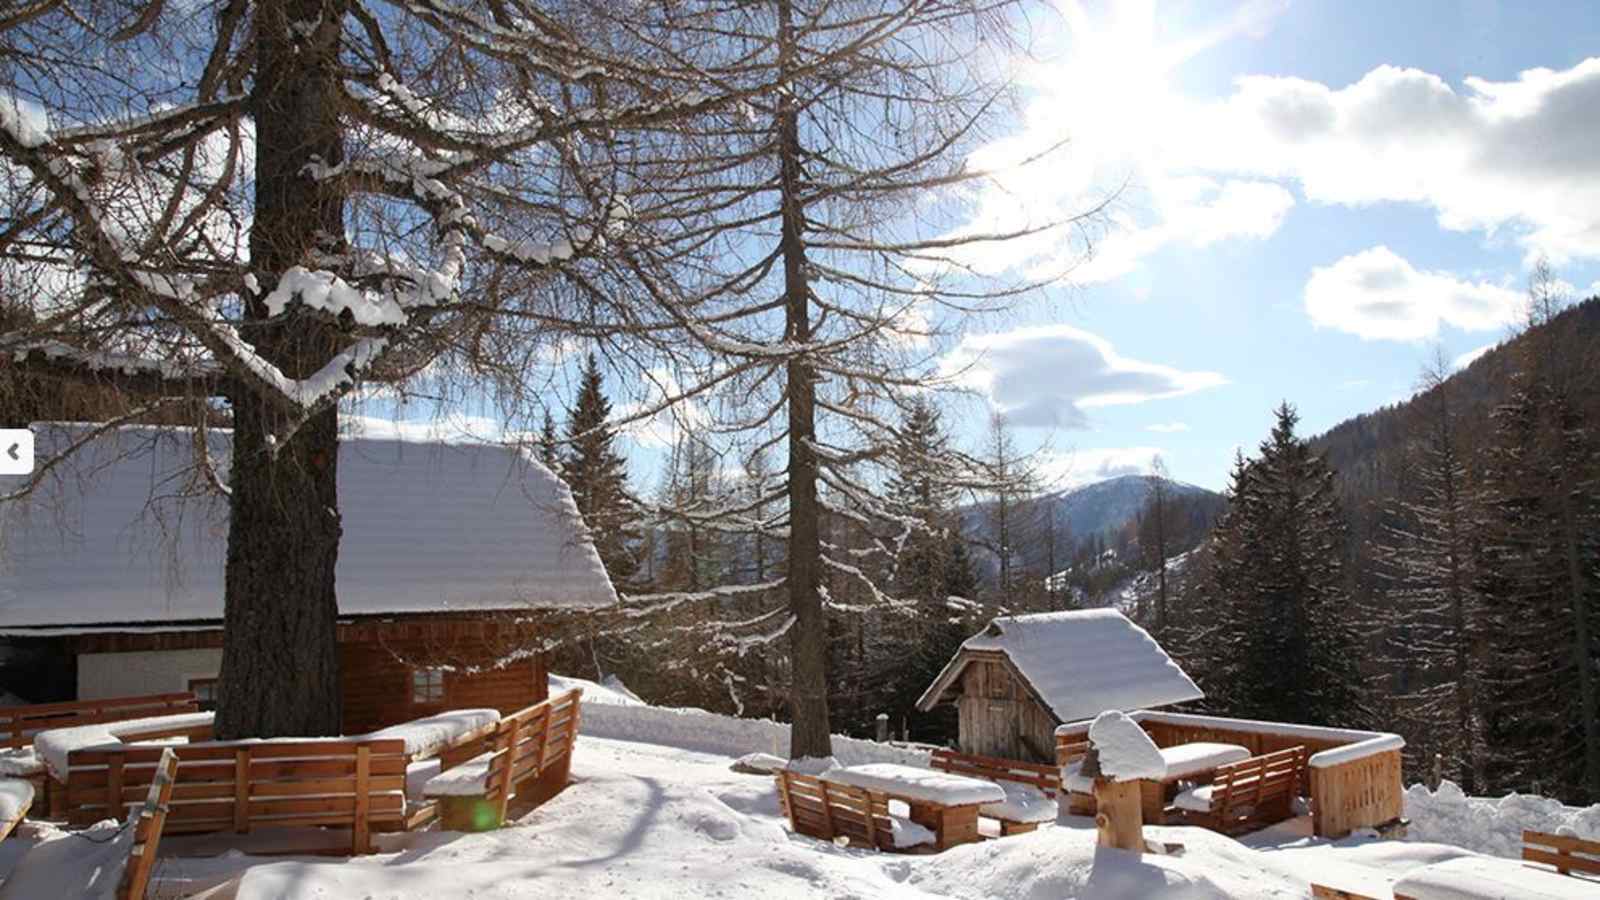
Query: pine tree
1281	645
1429	612
549	448
598	475
1541	548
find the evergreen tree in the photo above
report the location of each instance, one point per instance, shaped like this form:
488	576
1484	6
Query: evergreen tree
1541	548
1281	644
598	475
1429	611
549	450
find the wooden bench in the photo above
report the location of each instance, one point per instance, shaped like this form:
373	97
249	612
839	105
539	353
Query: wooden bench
243	785
1246	795
1068	755
147	830
1046	780
826	811
1566	854
526	756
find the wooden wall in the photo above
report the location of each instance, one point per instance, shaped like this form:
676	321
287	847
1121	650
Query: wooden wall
377	683
1361	793
1000	717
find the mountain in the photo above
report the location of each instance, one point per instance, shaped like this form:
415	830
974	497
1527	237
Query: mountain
1099	517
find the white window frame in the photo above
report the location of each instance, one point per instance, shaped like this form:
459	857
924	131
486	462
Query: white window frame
427	686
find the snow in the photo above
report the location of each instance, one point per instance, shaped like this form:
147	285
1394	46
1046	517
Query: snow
20	762
759	763
1080	662
1023	803
1073	779
427	736
330	293
418	774
1126	752
1492	825
912	783
1486	878
25	121
609	690
1196	799
469	779
81	864
707	732
427	527
904	833
1200	756
652	820
56	743
16	796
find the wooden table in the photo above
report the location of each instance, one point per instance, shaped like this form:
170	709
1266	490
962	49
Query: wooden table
943	803
1195	761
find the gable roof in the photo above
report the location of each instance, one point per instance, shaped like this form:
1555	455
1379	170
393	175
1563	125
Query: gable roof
124	531
1078	663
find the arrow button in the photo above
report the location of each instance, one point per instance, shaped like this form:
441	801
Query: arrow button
18	456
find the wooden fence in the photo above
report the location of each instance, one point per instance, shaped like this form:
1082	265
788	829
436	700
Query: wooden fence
19	724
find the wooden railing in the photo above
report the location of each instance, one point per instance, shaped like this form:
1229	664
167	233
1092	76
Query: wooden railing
18	724
1567	854
147	830
238	786
826	811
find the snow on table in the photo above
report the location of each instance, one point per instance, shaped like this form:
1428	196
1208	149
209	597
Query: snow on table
1126	752
1024	803
425	737
1489	878
55	744
1200	756
922	785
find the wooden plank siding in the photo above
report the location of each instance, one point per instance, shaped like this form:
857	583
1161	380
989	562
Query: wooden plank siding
1361	793
1000	716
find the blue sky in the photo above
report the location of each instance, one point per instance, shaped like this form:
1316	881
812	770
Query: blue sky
1321	194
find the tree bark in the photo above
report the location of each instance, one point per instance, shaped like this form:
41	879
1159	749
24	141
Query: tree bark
810	734
280	659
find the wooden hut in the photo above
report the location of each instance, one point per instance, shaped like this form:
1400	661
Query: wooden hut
1021	677
113	573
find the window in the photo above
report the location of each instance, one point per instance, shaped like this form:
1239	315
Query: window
205	691
427	685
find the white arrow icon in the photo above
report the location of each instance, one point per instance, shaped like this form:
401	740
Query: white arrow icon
16	451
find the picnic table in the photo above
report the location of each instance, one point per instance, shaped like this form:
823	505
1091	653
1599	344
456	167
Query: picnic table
943	803
1490	878
1194	761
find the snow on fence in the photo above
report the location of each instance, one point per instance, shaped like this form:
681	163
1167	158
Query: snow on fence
706	732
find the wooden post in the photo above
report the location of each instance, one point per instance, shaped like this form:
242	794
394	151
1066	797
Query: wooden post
114	787
509	751
1119	816
1438	772
883	728
361	830
241	790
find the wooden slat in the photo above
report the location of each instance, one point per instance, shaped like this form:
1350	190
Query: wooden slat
1567	853
361	835
241	790
147	831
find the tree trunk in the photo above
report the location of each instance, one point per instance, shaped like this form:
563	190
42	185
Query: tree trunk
1582	642
280	659
810	734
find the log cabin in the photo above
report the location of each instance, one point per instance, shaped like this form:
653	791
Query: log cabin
452	555
1021	677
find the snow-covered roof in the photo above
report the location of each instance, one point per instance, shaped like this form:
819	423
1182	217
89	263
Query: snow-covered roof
1078	663
125	531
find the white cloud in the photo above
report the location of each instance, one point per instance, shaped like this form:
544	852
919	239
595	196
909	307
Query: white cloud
1509	159
1168	427
1380	296
1076	468
1046	376
1469	357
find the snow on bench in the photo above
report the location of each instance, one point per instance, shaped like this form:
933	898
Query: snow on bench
16	796
1486	878
1126	752
923	785
425	737
470	779
1024	804
56	744
21	762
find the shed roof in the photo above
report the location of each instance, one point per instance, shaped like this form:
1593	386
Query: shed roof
124	531
1078	663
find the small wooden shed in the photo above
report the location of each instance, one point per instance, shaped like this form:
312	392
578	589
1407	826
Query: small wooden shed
1017	680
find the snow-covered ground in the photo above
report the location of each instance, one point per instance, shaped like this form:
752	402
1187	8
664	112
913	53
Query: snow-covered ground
654	820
